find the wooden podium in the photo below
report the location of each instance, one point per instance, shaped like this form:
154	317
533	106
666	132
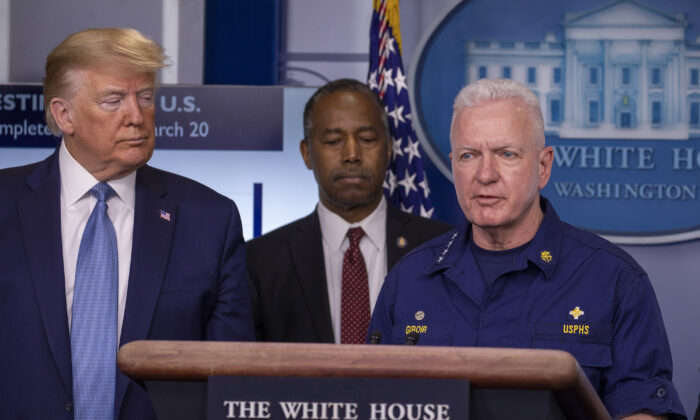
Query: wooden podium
504	383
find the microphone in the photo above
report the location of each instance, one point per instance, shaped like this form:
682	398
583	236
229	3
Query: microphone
375	337
412	338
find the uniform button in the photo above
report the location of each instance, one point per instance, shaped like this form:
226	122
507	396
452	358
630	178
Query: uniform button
69	407
660	393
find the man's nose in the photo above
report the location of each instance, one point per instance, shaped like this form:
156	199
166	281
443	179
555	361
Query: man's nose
487	171
133	114
351	150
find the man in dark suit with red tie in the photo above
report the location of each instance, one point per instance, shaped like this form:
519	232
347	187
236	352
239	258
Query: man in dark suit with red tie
316	279
97	249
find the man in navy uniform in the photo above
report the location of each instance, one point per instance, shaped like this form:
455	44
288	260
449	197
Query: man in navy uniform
514	275
304	285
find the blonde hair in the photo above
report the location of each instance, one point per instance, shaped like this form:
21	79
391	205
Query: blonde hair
94	47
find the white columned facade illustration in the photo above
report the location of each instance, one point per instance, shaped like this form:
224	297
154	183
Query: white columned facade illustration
609	74
622	71
643	115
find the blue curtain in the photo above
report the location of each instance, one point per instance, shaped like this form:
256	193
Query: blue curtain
241	42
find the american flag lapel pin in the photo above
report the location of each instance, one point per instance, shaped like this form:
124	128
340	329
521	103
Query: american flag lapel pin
165	215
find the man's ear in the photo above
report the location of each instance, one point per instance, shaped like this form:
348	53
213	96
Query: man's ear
305	153
546	159
62	113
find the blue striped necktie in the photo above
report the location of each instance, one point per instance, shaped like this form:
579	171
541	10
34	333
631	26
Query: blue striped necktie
94	317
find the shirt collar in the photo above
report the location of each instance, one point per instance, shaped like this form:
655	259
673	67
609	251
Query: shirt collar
450	252
76	181
334	228
543	250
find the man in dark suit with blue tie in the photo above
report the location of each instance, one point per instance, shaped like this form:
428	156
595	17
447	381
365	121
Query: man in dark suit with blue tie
97	249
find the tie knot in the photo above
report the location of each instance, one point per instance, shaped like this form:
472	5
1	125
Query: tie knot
355	234
102	192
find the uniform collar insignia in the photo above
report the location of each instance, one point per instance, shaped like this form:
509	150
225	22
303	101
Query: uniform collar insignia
401	242
546	256
444	252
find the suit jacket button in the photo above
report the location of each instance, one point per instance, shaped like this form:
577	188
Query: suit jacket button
69	407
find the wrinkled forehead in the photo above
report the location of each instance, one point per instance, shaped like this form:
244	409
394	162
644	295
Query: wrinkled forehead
96	76
511	118
349	110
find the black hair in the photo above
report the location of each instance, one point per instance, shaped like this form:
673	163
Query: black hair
341	85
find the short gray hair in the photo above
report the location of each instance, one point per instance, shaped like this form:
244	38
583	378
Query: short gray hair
489	90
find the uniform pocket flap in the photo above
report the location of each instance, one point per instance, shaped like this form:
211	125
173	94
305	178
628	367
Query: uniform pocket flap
589	343
586	353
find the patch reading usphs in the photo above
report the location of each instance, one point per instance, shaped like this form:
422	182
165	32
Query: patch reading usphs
420	315
401	242
575	329
546	256
578	329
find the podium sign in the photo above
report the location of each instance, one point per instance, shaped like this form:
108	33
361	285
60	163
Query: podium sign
231	397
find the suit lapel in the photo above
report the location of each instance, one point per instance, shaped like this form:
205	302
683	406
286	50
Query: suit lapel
40	220
399	237
149	257
306	248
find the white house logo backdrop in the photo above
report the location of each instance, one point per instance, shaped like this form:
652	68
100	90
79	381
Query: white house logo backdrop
619	89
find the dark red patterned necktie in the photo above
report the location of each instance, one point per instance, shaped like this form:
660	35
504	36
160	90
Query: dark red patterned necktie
354	298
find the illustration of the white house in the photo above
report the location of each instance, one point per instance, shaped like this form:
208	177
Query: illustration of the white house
624	70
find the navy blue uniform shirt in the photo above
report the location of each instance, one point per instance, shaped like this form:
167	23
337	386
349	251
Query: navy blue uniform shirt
569	290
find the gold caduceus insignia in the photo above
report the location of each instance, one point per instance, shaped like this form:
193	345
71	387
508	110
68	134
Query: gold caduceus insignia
546	256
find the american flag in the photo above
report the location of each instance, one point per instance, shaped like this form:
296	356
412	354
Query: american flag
406	185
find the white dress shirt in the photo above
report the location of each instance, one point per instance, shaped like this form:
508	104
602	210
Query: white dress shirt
76	206
334	231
